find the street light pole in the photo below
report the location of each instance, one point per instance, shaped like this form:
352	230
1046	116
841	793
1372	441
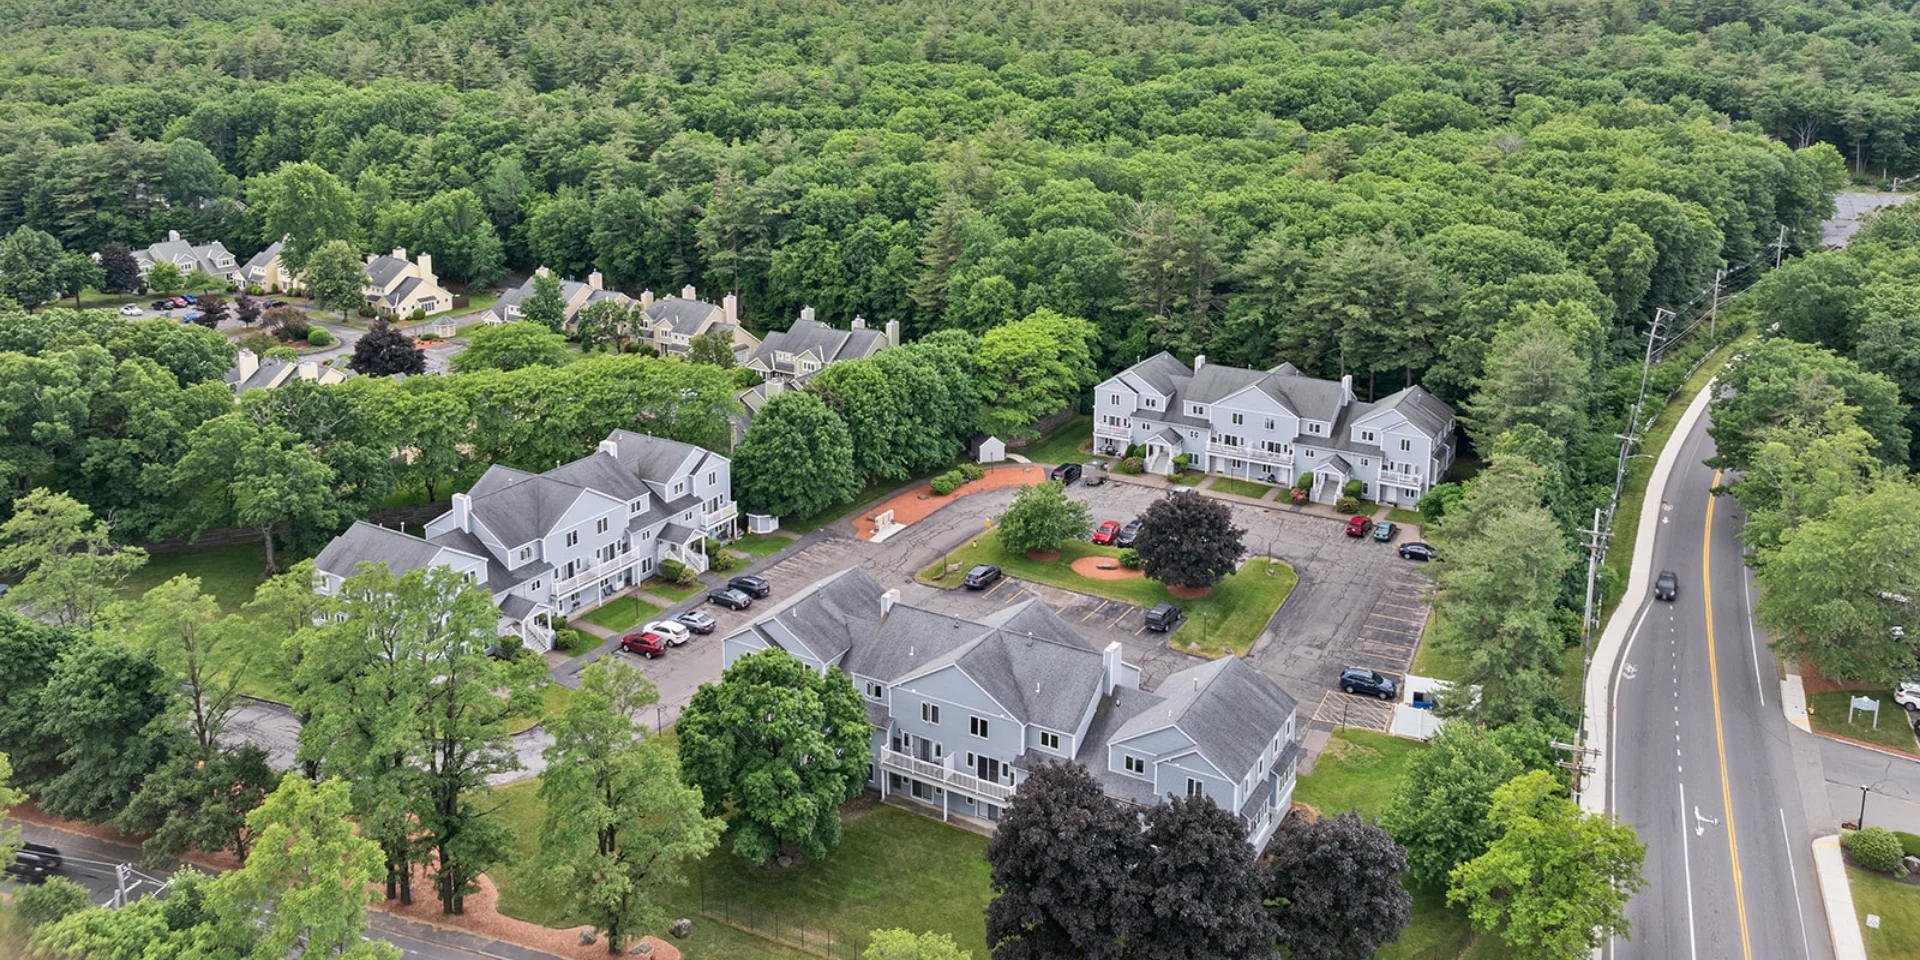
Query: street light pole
1861	824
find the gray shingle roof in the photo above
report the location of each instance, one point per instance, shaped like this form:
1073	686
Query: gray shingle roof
655	459
406	287
497	477
600	471
384	269
676	533
261	259
527	510
683	316
367	543
1337	462
516	608
1227	708
1163	370
1423	408
270	371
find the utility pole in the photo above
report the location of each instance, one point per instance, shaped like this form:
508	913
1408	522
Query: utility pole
122	872
1779	246
1713	308
1574	766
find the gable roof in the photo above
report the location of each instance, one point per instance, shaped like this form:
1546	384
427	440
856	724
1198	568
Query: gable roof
1423	409
600	471
367	543
526	510
657	459
683	316
1227	708
260	260
384	269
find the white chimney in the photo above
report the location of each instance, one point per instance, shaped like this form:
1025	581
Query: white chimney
893	333
1199	360
307	370
1110	668
610	448
399	253
806	313
859	322
646	300
730	305
542	272
426	266
1346	389
173	236
888	599
248	362
595	281
687	292
463	512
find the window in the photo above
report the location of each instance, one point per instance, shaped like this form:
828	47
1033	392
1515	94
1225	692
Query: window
875	691
680	488
1151	403
713	476
978	727
636	507
1313	428
600	527
1050	740
1196	409
1193	434
1135	765
1406	446
1364	461
1195	788
930	713
1366	489
1269	423
526	553
573	538
1306	452
1366	435
1239	419
1113	398
534	586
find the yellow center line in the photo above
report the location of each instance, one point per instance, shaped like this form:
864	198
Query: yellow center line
1719	733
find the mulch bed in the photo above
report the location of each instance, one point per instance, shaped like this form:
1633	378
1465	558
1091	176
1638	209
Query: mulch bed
921	502
1188	593
1090	568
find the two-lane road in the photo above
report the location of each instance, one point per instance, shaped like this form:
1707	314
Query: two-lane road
1704	764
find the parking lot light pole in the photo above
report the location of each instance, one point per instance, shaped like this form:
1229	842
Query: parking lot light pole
1861	824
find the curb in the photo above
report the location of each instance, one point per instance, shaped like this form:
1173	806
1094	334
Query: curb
1611	647
1837	896
1862	744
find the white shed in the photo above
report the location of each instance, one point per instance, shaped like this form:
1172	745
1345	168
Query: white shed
989	449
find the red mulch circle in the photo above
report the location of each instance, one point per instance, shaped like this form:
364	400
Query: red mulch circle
1188	593
919	502
1043	556
1089	567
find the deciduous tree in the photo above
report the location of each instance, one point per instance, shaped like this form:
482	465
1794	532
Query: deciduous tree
714	348
545	306
512	346
1781	382
68	566
899	944
120	271
782	747
1837	592
1063	859
29	267
1032	368
164	277
305	204
243	473
796	459
1197	888
335	277
1440	813
384	351
104	708
1334	889
1042	519
1189	541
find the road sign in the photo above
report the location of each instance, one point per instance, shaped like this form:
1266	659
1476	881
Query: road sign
1864	705
1873	921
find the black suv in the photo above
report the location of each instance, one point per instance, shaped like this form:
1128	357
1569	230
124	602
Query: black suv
755	587
982	577
1369	683
1666	586
1163	617
1128	534
1066	473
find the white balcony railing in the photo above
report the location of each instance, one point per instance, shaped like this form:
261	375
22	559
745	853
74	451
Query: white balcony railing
946	776
1122	431
1256	454
600	571
723	514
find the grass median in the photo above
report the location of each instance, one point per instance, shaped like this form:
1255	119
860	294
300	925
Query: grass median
1828	713
1897	904
1240	488
1226	620
621	614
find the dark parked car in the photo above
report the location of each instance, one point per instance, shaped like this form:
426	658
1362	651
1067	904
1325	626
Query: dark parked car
1385	531
162	305
697	622
1359	526
1066	473
755	587
34	863
648	645
1418	551
1368	683
982	577
275	303
1163	617
1666	586
1128	534
189	298
730	598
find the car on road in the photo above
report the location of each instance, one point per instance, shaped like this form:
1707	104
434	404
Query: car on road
1066	473
755	587
161	305
46	852
1385	531
179	302
1163	617
189	298
982	576
1359	526
648	645
130	310
674	633
1418	551
1907	694
275	303
1129	534
191	316
730	598
1666	586
1364	682
697	622
1107	532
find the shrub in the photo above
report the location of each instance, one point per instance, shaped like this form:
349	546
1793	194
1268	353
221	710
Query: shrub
319	337
258	342
288	354
1133	465
1909	843
1303	481
287	324
1180	462
947	482
672	570
1876	848
1299	495
1434	503
419	313
688	577
1130	558
37	906
1352	489
1347	505
365	312
972	471
568	639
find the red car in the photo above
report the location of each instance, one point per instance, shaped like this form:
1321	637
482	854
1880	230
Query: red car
1107	532
1359	526
648	645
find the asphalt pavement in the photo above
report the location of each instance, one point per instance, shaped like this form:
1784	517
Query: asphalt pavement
1725	793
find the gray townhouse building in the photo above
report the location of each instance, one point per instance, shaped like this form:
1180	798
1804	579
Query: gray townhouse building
550	544
1276	426
962	710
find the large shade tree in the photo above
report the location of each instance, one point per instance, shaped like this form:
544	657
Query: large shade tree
1189	541
1334	889
1042	519
796	459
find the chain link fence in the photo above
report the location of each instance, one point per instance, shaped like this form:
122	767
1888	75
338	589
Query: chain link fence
788	929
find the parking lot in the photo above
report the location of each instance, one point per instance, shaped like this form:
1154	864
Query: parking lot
1386	643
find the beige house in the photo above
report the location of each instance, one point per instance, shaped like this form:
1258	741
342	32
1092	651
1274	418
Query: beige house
250	372
398	286
574	297
810	346
267	272
671	322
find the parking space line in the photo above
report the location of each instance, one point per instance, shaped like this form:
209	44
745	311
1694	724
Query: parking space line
1017	594
1090	613
1122	616
1136	633
1394	605
995	589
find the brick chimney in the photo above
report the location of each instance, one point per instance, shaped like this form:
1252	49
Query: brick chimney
893	333
730	305
646	300
595	281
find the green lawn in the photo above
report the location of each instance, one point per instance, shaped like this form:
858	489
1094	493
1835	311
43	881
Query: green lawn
621	613
1626	522
1829	712
1403	515
892	869
1240	488
1070	442
554	699
760	544
1358	770
1188	478
1898	907
230	574
672	591
1231	616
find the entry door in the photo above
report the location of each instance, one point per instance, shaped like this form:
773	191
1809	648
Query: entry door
923	748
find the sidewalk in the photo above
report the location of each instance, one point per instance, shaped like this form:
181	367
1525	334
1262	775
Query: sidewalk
1836	894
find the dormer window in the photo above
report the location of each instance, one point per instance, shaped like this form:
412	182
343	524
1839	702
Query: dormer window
635	507
1196	410
1050	741
1366	436
1150	403
680	488
1313	428
525	554
875	691
1135	765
